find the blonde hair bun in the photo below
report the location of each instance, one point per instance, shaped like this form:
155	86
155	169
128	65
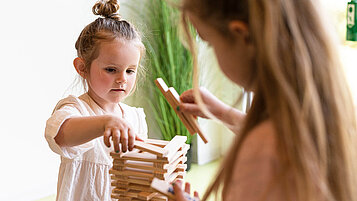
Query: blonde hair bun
107	9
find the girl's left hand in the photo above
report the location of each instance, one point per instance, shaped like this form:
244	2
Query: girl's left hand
179	193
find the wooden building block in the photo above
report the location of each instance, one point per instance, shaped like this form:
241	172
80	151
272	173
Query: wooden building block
178	154
130	180
121	197
192	121
119	185
173	98
159	143
175	144
145	157
132	193
139	181
160	83
125	162
164	90
182	117
119	191
175	101
181	167
159	198
136	166
147	195
128	173
174	168
139	187
172	177
150	148
133	172
163	187
181	175
119	177
162	168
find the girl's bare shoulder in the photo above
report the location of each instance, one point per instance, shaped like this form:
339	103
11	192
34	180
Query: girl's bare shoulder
256	166
260	141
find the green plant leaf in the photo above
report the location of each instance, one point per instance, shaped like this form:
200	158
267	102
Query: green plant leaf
167	58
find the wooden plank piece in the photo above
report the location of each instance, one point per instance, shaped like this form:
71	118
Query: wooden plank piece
181	167
150	148
175	144
131	173
139	187
156	142
131	162
143	167
178	154
160	83
159	198
164	90
147	195
139	181
163	187
192	121
144	156
121	197
174	103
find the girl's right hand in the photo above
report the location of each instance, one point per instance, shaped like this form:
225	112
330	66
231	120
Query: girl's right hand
121	132
189	104
223	112
181	195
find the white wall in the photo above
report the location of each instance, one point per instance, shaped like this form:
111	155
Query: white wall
36	53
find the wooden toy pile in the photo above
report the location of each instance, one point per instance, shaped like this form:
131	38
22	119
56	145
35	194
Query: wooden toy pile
133	172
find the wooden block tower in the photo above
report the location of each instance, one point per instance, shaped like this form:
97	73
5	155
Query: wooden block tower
133	172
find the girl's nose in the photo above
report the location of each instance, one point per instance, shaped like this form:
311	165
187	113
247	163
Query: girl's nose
121	78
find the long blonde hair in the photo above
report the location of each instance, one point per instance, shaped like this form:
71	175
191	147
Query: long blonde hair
300	87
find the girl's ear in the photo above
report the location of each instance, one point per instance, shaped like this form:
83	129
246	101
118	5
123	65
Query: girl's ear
79	65
239	29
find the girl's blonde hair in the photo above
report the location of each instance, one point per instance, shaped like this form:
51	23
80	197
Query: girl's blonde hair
104	29
300	87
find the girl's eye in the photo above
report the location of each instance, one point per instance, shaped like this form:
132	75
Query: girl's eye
130	71
110	70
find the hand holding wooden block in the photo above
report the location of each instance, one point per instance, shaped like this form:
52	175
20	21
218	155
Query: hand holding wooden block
173	98
165	188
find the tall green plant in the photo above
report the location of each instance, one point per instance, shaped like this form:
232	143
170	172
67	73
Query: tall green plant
167	58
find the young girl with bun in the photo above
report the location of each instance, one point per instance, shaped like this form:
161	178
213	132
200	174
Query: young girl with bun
109	51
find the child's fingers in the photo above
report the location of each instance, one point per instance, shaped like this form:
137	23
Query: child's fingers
178	191
195	194
191	109
106	137
178	183
188	188
116	139
187	96
124	140
131	139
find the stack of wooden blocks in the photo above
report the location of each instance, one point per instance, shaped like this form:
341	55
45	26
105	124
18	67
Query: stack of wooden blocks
132	172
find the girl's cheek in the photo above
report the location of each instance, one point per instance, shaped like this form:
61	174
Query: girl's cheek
107	78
